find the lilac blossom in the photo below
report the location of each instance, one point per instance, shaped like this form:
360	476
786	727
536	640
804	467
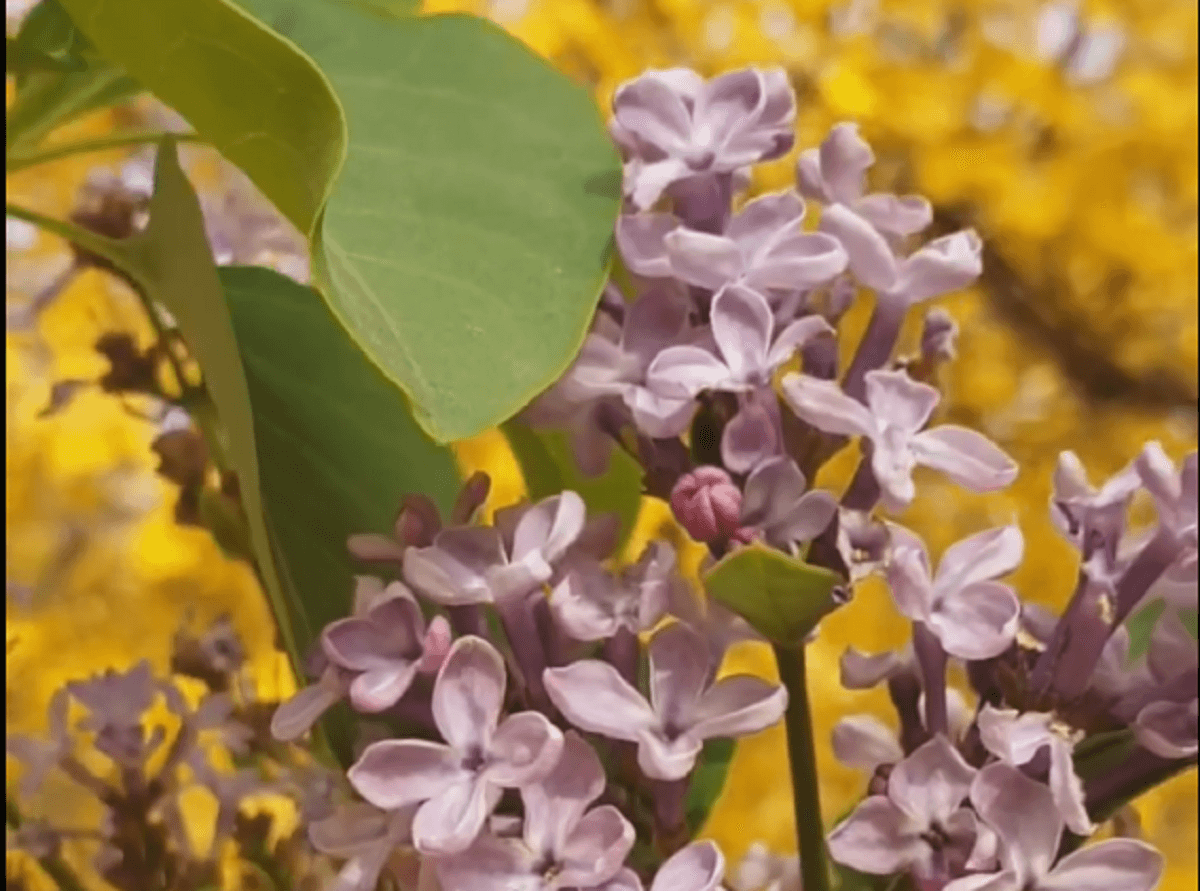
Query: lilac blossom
1091	518
458	783
482	564
896	410
775	503
1029	827
755	433
749	348
920	824
386	648
1174	494
973	616
685	706
615	366
594	604
563	844
366	836
698	867
673	126
865	742
1017	738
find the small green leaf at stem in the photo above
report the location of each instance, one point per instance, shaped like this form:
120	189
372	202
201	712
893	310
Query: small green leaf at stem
783	598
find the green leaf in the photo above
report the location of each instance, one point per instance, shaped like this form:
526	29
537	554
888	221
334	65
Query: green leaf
469	234
1188	617
337	445
256	98
1140	626
468	238
707	781
548	465
171	264
47	41
48	99
781	597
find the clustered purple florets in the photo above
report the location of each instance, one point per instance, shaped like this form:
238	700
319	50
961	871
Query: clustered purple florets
715	365
556	706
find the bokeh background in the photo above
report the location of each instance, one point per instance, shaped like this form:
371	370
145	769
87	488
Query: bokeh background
1064	132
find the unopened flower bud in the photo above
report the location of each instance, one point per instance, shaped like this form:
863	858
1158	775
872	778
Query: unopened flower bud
707	503
939	337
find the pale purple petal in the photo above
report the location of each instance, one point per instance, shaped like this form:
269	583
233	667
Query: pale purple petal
596	848
870	257
801	260
1011	736
1067	788
550	527
488	863
967	457
1001	881
947	264
764	217
1168	729
907	573
808	518
524	749
681	372
653	322
295	717
899	401
795	336
667	758
823	404
469	694
662	417
381	688
454	569
450	822
654	114
895	214
594	697
772	487
977	622
583	603
393	773
878	838
741	326
809	179
748	440
645	182
625	880
698	867
736	706
704	260
640	240
862	671
845	158
1118	864
554	804
865	742
679	666
1023	813
930	784
985	555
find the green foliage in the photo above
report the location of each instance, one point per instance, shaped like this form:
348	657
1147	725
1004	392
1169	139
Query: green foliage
1140	626
467	240
58	78
170	263
336	442
781	597
548	467
261	102
707	782
468	236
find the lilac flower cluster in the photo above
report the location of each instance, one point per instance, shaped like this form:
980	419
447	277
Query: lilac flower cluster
552	708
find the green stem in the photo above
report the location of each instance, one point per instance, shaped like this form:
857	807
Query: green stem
15	162
802	757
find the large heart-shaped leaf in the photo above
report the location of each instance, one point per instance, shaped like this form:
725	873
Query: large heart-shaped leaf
256	98
336	443
467	239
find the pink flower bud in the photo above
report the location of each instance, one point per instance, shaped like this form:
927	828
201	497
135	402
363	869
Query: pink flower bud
707	504
438	639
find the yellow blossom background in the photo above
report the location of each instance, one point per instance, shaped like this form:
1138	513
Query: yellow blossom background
1081	334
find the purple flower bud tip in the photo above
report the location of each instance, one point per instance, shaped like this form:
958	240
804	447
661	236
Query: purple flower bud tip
707	504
